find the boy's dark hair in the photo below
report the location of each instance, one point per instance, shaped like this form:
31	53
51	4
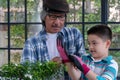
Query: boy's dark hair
103	31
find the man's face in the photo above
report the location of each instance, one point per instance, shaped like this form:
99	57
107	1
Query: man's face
54	22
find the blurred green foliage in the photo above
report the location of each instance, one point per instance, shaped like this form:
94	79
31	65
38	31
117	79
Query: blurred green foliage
30	71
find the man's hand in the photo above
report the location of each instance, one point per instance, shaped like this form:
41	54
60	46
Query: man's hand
57	59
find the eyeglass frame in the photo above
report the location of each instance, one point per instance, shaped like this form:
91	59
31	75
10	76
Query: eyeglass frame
54	17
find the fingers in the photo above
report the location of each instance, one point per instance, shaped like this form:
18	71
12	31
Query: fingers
59	41
76	62
57	59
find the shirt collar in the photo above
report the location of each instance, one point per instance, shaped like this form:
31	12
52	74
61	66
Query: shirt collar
106	60
43	34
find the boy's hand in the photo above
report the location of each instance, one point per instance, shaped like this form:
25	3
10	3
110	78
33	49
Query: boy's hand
77	61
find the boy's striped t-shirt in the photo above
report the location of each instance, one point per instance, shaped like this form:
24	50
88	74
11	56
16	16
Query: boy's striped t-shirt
106	68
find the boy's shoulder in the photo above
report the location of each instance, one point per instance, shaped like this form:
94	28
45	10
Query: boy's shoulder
109	59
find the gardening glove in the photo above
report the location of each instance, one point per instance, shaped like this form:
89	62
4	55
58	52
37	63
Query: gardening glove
77	61
61	50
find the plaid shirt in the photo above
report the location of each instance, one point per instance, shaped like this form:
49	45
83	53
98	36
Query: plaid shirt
35	48
106	69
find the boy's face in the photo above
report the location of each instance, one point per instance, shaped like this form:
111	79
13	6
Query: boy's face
97	47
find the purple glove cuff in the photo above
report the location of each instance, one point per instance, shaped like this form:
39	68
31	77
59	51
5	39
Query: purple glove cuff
86	69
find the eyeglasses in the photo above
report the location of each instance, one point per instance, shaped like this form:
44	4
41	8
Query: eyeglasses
54	17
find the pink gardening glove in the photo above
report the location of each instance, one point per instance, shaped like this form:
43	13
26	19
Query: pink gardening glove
77	61
61	51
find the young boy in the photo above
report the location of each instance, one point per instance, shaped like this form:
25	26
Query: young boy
97	65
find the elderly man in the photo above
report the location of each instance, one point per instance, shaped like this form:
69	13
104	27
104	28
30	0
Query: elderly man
43	46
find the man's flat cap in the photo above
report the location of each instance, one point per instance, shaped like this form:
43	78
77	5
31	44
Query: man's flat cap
59	6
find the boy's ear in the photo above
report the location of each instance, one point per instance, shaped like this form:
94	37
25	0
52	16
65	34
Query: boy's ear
108	43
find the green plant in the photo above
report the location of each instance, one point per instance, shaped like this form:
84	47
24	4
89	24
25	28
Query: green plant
17	35
30	71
